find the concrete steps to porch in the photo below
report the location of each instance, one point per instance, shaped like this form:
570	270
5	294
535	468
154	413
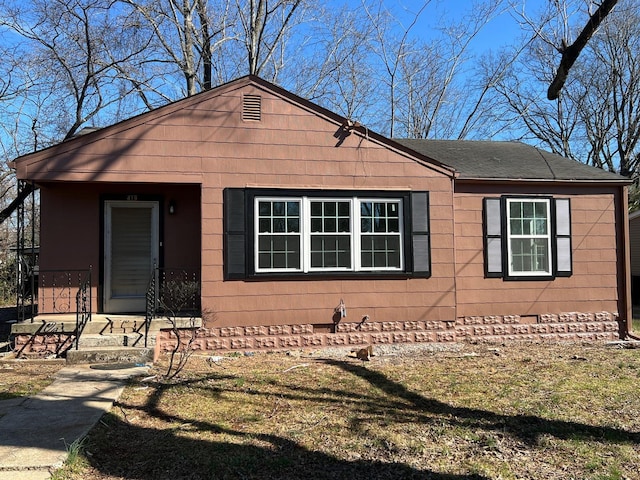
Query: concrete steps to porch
106	339
102	355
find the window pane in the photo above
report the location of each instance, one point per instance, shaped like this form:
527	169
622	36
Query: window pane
278	208
278	225
530	255
264	260
293	209
541	227
540	209
278	243
264	225
343	224
365	209
379	225
293	225
516	227
393	258
330	209
329	251
293	260
393	225
330	225
392	210
316	224
264	208
380	251
343	209
514	210
365	225
279	260
380	242
316	209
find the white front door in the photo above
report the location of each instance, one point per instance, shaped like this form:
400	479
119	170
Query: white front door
130	253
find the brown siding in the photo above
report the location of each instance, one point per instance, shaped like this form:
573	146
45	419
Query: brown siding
71	227
206	142
593	286
192	150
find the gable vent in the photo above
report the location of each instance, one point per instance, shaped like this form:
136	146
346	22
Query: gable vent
252	107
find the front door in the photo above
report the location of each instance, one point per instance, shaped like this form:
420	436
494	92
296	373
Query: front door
130	253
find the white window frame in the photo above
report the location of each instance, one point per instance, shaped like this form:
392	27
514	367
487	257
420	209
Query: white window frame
548	236
355	234
257	234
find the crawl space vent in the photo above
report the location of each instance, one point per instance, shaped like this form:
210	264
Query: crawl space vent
251	108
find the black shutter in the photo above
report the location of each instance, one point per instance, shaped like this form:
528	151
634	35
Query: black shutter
235	234
420	241
493	264
562	218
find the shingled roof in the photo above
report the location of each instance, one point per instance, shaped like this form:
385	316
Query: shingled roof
486	160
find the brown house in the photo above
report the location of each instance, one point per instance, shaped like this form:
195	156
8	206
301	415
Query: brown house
299	228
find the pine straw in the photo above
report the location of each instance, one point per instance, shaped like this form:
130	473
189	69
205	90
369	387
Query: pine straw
514	412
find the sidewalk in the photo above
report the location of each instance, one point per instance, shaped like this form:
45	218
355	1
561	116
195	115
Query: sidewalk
35	432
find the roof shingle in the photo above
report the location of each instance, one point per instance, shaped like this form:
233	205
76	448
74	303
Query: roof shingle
491	160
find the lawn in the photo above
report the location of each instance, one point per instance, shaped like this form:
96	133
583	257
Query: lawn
513	412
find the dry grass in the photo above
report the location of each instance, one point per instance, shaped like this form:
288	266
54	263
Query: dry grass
22	379
520	412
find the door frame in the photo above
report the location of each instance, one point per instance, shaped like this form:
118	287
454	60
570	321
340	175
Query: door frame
128	201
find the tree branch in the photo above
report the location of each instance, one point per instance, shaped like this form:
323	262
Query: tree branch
570	54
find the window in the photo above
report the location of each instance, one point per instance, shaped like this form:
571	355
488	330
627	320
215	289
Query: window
279	238
381	239
527	238
330	237
308	234
290	232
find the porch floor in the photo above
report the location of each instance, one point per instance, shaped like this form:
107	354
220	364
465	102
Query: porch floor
101	323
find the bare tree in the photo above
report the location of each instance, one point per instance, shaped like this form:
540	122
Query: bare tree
264	25
185	35
332	63
437	94
571	52
596	119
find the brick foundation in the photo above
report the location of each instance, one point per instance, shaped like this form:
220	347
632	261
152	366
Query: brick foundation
573	326
42	344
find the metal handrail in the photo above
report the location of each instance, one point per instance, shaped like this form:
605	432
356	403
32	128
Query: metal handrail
172	292
83	306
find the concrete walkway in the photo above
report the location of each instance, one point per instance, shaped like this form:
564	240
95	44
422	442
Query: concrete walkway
35	432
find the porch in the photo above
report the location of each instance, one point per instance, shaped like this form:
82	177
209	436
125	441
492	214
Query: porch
58	318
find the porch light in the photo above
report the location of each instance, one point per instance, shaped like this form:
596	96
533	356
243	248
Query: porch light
172	207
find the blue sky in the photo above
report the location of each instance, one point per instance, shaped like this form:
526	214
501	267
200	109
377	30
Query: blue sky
500	31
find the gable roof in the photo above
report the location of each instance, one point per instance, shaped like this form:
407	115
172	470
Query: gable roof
91	135
489	160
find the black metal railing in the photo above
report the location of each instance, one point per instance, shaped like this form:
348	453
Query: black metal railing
172	293
83	306
57	290
61	292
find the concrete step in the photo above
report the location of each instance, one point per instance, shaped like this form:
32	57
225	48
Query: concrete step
93	340
100	324
102	355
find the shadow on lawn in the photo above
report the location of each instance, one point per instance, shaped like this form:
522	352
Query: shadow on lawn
527	428
131	452
136	453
